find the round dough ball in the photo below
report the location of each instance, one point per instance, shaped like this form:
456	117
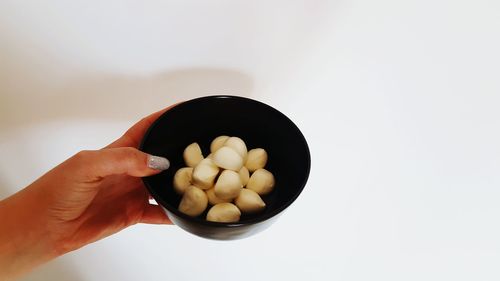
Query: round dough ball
257	159
204	174
261	181
228	185
227	158
249	201
194	201
244	175
238	145
224	212
182	179
192	154
217	143
213	199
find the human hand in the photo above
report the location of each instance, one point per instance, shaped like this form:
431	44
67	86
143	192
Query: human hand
86	198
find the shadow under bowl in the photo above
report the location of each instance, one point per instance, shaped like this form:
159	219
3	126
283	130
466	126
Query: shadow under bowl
259	125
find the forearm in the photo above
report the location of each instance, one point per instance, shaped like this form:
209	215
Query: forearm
24	239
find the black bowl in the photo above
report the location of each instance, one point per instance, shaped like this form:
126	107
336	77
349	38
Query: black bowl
259	125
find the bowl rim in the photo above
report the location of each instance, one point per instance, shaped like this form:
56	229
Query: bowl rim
255	220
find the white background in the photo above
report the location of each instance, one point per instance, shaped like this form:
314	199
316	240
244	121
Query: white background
399	101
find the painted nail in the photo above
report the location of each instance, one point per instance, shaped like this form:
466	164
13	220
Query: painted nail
158	163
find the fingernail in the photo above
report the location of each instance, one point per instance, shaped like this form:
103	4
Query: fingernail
158	163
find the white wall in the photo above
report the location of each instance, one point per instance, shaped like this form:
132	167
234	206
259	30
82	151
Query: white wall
398	99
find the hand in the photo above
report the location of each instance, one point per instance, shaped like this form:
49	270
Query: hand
86	198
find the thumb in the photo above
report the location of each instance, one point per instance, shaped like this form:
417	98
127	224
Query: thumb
92	165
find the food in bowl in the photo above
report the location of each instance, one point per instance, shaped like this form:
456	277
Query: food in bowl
231	179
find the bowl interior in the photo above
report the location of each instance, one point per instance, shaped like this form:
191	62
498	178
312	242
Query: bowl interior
259	125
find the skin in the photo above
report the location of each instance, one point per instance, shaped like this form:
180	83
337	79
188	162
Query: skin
88	197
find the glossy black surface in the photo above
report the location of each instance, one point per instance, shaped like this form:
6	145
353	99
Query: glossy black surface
259	125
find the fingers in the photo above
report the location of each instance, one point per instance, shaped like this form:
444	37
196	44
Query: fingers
94	165
134	135
153	214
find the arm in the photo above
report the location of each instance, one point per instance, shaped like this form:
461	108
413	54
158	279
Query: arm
23	234
86	198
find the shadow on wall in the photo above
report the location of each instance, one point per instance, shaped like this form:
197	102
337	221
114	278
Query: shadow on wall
99	97
60	269
36	88
4	188
111	96
104	97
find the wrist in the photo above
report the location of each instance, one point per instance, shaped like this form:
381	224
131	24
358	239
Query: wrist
25	241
